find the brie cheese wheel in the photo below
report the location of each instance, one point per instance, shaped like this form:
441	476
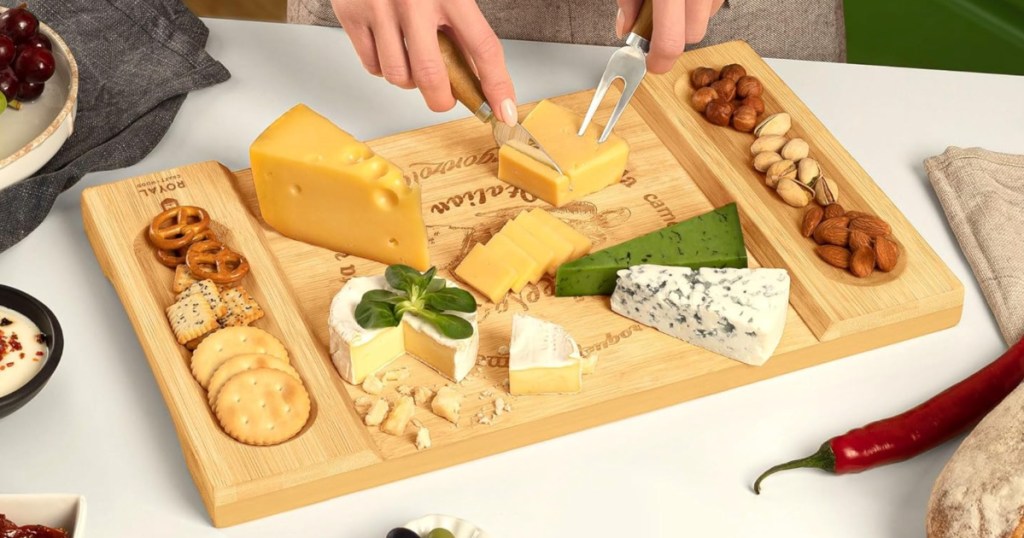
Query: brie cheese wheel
543	358
358	352
738	313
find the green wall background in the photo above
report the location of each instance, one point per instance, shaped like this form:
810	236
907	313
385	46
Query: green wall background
961	35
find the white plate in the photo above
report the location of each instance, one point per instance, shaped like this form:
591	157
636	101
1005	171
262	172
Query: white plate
30	137
460	528
53	510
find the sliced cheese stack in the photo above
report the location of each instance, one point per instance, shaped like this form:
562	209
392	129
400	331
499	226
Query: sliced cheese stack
587	166
738	313
543	358
358	352
528	246
317	184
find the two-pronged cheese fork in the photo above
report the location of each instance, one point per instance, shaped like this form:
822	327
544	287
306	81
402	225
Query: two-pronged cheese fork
628	63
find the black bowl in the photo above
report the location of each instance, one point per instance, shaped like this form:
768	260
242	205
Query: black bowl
48	324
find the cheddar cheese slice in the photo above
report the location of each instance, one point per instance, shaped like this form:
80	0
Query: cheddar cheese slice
587	166
525	266
317	184
561	248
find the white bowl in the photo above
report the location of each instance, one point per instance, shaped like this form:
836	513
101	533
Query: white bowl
459	527
53	510
30	137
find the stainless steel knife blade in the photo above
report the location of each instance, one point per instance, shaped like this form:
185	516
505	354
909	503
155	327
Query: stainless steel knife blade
520	139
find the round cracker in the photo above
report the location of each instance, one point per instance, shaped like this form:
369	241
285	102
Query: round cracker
241	363
262	407
230	342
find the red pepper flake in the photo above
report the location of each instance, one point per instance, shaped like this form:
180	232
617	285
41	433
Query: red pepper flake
5	322
21	355
10	364
2	368
35	360
38	354
40	338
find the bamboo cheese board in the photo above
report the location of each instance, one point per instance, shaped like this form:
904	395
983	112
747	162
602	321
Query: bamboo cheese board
679	166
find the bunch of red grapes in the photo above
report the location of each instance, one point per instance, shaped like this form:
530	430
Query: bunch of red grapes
26	60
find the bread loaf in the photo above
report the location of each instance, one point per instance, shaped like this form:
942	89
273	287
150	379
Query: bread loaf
980	492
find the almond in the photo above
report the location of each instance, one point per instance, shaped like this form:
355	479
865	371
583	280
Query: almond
856	214
833	232
859	239
812	219
834	256
887	253
872	226
834	210
862	262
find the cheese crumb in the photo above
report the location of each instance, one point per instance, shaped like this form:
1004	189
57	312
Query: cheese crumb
486	394
422	439
399	417
508	407
421	395
363	401
485	419
404	390
589	363
377	413
397	374
447	404
372	385
499	406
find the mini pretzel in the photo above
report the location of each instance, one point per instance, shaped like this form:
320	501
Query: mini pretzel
177	227
212	260
175	257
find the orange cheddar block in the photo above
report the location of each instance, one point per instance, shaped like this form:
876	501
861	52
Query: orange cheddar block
561	248
581	244
316	183
525	266
485	270
586	165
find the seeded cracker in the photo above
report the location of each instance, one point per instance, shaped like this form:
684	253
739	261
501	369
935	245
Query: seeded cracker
209	291
229	342
241	308
191	317
182	279
262	407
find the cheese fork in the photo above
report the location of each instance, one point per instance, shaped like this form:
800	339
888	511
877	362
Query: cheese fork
467	90
628	63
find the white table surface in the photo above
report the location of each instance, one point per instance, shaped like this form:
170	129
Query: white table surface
101	428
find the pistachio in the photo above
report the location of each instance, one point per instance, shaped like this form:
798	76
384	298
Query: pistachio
794	193
808	171
764	160
776	124
826	191
796	149
773	143
781	170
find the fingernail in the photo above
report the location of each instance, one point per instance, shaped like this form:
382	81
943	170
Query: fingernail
509	114
620	22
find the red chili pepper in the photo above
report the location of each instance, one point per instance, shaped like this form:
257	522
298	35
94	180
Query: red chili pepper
920	429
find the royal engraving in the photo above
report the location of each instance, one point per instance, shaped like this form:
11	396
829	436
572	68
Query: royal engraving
423	170
663	210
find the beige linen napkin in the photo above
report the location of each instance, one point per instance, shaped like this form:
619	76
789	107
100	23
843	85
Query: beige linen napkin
983	195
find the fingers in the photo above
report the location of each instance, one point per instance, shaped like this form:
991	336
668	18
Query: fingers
481	45
427	68
628	10
669	36
715	6
698	12
366	49
387	35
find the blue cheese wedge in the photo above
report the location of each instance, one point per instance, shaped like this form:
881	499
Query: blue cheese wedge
738	313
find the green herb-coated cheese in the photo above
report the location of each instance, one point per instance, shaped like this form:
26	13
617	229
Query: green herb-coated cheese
711	240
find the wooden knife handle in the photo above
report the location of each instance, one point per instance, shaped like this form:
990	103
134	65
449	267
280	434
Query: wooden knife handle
465	84
644	25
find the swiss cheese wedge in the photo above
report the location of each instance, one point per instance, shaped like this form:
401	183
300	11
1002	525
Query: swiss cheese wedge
317	184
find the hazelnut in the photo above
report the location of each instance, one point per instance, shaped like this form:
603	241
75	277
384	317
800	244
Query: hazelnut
756	103
702	97
703	76
719	112
726	89
749	87
733	72
744	119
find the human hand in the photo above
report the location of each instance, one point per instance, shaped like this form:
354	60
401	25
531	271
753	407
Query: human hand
397	39
677	23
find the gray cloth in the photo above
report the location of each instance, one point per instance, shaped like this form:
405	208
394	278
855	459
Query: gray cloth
982	193
796	29
137	60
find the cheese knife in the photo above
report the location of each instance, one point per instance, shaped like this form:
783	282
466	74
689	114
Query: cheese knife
628	63
466	89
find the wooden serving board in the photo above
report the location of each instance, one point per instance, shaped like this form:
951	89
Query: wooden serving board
832	315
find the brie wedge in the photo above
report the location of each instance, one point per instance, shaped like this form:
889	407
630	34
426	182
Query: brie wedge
738	313
543	358
358	352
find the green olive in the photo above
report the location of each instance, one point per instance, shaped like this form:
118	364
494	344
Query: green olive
440	533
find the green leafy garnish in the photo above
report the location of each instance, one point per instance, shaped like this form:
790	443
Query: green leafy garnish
420	294
3	103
